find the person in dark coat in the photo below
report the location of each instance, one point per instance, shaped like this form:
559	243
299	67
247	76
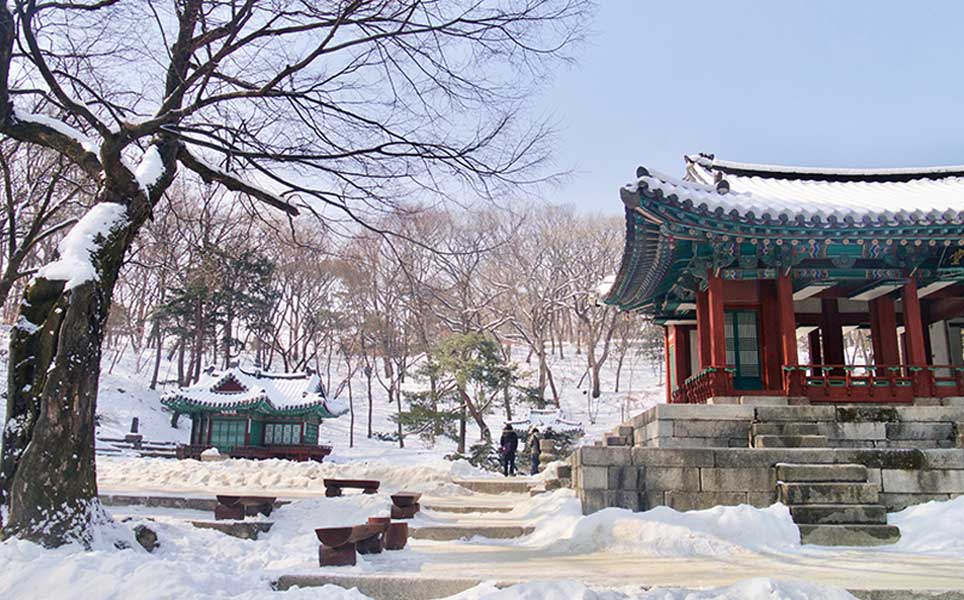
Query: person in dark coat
508	446
534	450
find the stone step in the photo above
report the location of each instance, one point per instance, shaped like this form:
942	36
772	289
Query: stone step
183	502
849	535
496	485
790	441
464	509
796	472
447	533
246	530
839	514
617	440
827	493
624	431
387	586
785	428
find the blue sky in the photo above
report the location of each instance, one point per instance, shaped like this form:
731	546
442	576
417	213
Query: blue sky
844	83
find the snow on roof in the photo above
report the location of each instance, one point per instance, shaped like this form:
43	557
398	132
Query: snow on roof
547	418
236	387
753	191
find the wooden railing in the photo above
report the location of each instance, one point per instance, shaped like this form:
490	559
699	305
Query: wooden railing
946	380
873	383
710	382
837	383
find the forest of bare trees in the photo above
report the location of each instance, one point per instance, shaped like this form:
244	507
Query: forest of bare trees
179	184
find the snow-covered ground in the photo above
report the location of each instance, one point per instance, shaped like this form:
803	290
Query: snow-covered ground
196	563
602	553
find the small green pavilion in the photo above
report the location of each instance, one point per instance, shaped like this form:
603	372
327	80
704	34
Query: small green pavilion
252	414
751	267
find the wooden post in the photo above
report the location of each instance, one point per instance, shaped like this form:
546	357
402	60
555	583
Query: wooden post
668	359
703	328
914	330
770	343
831	333
716	319
788	331
682	344
883	331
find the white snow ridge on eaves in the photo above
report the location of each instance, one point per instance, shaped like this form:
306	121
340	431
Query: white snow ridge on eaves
932	198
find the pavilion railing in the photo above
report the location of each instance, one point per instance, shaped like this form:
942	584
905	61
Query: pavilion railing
873	383
710	382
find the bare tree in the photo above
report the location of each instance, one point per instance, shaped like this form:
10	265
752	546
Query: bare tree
345	105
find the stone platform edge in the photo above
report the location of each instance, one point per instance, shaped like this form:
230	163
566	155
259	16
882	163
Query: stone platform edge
391	587
640	478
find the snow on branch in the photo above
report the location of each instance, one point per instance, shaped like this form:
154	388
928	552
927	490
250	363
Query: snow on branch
76	249
150	169
58	135
209	173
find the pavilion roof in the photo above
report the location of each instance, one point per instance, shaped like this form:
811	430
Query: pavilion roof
254	391
825	197
853	224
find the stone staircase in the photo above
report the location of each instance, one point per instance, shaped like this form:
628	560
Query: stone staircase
834	504
622	435
134	444
786	434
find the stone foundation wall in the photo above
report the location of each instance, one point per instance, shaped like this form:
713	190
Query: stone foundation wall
848	426
697	478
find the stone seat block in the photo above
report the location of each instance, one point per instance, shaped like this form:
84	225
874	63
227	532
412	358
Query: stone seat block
849	535
785	428
790	441
827	493
794	413
839	514
792	472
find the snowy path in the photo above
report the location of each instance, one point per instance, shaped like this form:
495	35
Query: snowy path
548	554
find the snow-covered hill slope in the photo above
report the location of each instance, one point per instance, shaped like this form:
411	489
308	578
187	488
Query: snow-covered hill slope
125	394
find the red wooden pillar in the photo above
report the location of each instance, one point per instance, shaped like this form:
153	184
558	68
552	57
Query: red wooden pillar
703	328
788	330
683	367
717	321
883	331
831	332
770	336
668	359
914	330
714	295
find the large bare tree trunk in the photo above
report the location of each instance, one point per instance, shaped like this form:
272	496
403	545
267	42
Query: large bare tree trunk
48	480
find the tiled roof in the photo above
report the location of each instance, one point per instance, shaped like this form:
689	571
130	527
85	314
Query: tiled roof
764	192
282	391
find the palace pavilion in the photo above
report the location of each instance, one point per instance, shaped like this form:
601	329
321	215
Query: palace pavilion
760	273
252	414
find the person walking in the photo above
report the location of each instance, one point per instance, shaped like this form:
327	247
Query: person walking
508	446
534	450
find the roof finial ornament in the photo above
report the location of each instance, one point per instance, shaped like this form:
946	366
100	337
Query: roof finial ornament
641	171
722	185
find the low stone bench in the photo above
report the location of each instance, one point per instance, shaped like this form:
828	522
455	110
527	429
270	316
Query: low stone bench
339	545
334	487
405	505
238	507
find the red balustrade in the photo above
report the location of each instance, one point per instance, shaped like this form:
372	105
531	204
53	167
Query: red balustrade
710	382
